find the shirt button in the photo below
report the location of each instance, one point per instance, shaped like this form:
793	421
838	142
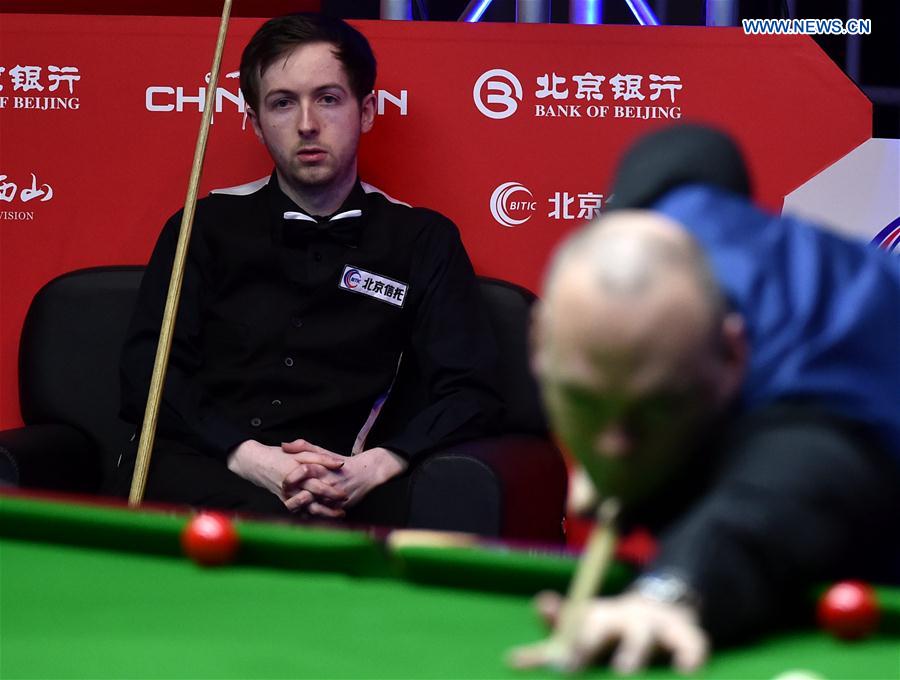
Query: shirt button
276	402
256	422
317	256
296	321
288	362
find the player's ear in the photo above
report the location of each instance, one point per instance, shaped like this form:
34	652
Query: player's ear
735	347
367	112
254	120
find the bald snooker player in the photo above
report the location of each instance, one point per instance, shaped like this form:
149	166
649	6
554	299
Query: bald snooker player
732	377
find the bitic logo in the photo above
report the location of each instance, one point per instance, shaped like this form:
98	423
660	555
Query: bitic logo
352	278
502	204
503	89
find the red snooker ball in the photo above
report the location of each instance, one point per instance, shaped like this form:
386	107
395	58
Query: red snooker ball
849	610
210	539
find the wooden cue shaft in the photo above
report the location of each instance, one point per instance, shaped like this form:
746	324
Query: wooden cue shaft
157	379
589	574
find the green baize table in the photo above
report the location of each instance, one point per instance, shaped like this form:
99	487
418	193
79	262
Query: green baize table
90	591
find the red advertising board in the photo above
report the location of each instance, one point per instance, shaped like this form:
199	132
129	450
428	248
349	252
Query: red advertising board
510	130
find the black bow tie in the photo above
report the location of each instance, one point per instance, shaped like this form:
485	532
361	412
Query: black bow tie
299	232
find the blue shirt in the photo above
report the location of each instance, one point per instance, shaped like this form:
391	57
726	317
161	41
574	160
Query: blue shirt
822	312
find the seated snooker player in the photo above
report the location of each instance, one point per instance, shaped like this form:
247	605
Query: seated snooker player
733	378
302	292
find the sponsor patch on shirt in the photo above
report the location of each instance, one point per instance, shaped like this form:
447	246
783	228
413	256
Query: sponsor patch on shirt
379	287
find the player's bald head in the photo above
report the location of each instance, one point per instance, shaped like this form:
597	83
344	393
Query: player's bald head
627	254
633	351
633	280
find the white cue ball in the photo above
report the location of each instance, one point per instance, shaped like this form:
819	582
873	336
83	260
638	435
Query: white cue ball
798	674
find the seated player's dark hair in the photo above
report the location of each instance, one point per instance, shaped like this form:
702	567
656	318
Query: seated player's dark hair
279	36
682	154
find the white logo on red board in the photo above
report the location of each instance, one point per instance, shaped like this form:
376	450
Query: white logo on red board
503	90
510	207
158	98
38	87
10	190
18	198
165	98
502	203
498	93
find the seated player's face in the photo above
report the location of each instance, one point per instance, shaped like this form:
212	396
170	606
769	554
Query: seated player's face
309	119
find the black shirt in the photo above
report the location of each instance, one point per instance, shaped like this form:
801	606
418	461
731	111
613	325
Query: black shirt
294	328
777	499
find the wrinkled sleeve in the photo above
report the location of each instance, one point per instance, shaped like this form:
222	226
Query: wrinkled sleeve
454	349
187	413
799	501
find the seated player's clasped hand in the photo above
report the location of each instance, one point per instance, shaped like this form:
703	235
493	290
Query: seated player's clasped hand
312	479
325	490
633	628
269	467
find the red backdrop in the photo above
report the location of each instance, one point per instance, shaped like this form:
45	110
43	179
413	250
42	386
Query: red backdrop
196	8
95	153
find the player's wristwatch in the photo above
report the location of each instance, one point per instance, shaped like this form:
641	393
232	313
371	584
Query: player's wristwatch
667	587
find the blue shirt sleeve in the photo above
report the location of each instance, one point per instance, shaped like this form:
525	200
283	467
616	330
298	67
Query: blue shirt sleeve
822	312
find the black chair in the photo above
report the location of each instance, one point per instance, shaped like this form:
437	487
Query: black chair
511	486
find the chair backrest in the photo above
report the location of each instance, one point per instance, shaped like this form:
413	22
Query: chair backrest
76	325
69	354
509	309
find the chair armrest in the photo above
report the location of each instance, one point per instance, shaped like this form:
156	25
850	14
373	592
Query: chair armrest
512	486
57	457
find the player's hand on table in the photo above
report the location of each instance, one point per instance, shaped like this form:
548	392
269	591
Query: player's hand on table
632	627
356	478
268	467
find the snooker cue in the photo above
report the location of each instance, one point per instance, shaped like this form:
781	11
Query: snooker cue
158	377
588	578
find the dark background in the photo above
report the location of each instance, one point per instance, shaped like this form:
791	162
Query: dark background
879	52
